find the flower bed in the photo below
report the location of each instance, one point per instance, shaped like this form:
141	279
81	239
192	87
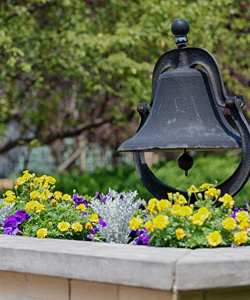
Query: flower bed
36	209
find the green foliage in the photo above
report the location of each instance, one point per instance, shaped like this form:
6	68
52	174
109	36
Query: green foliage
89	63
124	178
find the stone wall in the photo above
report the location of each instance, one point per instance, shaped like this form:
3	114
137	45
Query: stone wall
46	269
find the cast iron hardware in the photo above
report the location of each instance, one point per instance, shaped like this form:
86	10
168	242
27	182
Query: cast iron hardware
184	114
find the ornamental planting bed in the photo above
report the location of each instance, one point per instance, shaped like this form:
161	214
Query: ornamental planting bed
36	209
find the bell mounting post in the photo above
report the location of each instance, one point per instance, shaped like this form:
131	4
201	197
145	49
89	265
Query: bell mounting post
184	114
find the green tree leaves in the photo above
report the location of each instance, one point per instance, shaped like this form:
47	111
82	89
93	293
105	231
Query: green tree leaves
66	64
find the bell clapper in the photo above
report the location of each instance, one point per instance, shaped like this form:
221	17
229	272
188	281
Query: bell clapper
185	162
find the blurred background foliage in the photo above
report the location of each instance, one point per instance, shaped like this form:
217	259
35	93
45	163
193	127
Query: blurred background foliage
206	169
70	68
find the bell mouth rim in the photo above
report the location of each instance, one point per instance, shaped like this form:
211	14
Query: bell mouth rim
179	149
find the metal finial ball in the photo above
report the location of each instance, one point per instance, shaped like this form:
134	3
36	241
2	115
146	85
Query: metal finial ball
180	27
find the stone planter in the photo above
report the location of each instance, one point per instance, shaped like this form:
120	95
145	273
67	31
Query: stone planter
47	269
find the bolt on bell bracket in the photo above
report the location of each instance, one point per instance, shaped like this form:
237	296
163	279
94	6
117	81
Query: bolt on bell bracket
186	58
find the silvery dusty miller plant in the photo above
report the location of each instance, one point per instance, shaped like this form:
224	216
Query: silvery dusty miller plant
116	212
5	210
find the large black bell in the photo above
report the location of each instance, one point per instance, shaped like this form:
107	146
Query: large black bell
184	115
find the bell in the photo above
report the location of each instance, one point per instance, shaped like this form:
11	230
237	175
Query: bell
184	115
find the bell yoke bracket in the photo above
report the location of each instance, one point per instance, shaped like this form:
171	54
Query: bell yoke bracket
183	58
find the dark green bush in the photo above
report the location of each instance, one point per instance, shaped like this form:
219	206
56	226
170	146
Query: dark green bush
206	169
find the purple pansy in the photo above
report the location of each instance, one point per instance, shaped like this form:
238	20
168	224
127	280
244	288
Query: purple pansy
143	238
89	237
11	224
94	231
97	196
142	207
101	222
11	231
79	200
21	216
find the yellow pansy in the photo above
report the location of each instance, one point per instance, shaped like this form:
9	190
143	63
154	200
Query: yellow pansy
180	233
214	238
63	226
181	200
211	192
149	226
54	202
205	186
77	227
185	211
10	199
152	203
20	181
34	205
135	223
9	193
39	207
42	233
88	225
43	178
46	195
193	189
37	180
204	212
66	197
30	206
227	200
35	195
58	195
27	176
244	225
161	221
51	180
163	205
94	218
198	219
242	216
81	207
175	210
240	237
229	223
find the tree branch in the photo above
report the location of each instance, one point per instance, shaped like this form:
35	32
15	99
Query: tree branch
31	10
59	135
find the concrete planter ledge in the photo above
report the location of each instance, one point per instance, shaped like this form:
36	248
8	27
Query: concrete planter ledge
129	271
